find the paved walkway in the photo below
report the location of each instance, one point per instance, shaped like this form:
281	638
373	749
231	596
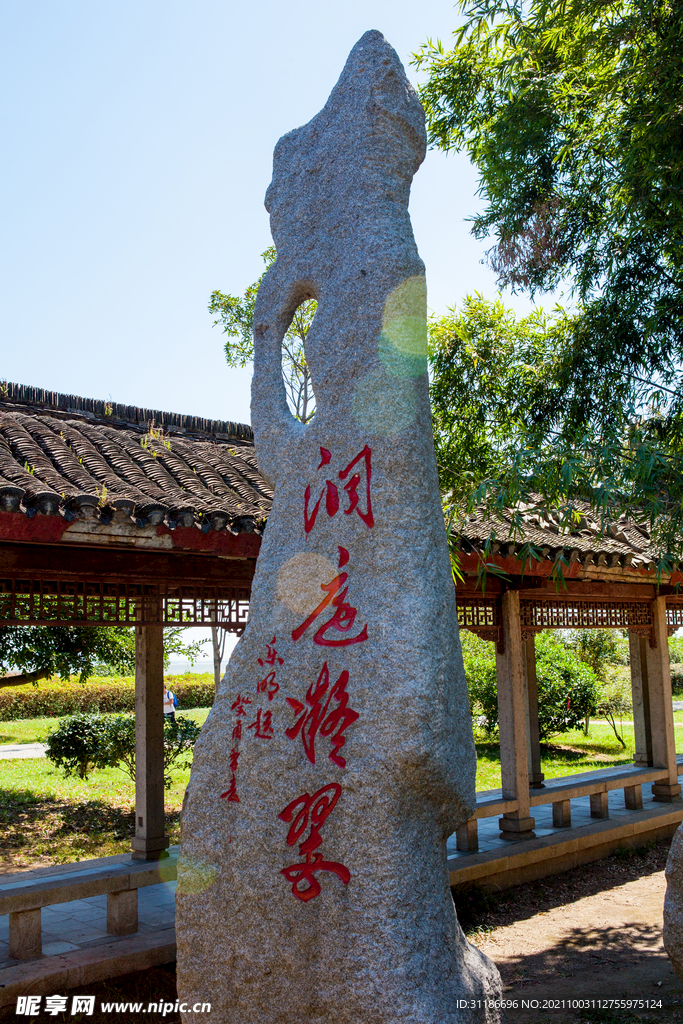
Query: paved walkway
10	751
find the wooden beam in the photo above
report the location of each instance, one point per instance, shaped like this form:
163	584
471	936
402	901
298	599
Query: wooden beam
124	565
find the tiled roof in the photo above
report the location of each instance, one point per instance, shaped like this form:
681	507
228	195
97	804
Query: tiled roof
624	543
79	458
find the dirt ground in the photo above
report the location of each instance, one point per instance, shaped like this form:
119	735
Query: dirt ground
594	933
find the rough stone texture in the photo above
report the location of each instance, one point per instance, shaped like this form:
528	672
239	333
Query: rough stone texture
370	934
673	903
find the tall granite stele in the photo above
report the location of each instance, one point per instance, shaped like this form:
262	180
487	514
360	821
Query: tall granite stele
673	903
338	755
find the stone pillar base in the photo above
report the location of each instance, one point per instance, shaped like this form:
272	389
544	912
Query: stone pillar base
25	938
666	793
599	805
149	849
517	828
122	912
633	798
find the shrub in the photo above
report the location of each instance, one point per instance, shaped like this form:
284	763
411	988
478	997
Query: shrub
480	669
568	689
677	679
118	745
56	698
77	745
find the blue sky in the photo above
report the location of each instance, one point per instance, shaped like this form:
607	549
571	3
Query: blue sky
138	140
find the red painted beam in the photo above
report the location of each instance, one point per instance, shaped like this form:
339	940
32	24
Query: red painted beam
17	528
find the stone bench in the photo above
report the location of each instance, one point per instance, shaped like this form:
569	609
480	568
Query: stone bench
23	895
560	792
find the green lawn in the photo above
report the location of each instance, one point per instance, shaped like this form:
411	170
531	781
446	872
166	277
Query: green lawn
568	754
32	730
46	815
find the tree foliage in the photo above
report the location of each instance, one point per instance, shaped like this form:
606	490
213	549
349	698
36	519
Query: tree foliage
38	652
572	113
600	649
236	317
42	651
117	749
484	363
568	690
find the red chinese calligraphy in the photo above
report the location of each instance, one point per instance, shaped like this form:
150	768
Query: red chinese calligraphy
231	791
237	730
262	725
313	810
342	620
330	491
239	705
272	656
268	685
319	719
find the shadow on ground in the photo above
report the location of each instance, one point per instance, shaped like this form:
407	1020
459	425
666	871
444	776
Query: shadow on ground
34	827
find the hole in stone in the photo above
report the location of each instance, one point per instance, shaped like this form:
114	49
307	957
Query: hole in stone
295	371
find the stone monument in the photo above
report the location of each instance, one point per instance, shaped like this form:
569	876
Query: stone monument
673	903
338	755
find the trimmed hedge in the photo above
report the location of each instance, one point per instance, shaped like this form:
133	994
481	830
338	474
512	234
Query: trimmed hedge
103	694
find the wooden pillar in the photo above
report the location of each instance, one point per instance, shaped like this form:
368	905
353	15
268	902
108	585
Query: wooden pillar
661	707
512	722
640	691
149	842
536	776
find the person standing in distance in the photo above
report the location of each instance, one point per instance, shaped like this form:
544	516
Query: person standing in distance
170	704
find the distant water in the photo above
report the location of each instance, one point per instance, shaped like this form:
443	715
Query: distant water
179	668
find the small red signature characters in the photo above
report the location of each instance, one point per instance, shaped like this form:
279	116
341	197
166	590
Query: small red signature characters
313	810
239	705
319	719
330	490
272	658
262	725
268	685
341	621
231	791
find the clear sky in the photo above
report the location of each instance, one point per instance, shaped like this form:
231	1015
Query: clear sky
138	139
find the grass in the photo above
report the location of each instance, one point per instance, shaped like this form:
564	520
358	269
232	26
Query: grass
46	816
30	730
568	754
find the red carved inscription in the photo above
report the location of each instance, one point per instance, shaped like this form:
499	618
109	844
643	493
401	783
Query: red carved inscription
321	718
313	811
